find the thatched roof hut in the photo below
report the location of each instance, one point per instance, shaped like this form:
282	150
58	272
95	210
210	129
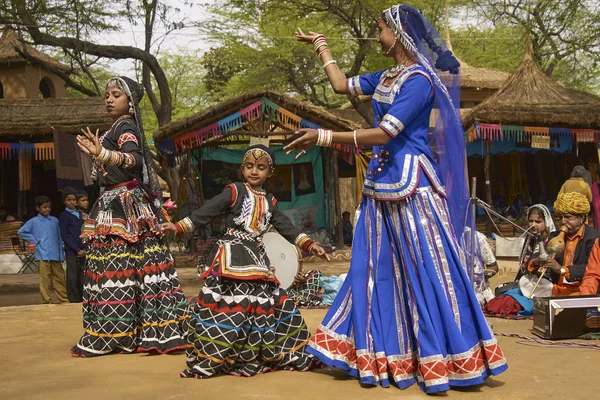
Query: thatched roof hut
42	116
530	97
225	108
12	50
481	78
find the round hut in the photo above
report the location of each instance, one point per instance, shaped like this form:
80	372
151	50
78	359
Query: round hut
525	139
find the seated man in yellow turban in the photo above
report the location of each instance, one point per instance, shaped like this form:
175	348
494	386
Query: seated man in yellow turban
569	268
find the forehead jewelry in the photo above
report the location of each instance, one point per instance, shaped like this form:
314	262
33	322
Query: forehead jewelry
259	154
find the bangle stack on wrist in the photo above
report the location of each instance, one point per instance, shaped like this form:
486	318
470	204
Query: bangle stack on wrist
325	138
318	42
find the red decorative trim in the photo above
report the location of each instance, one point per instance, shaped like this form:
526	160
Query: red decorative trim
234	194
179	229
127	137
472	363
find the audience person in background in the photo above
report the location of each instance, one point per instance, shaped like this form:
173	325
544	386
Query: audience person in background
44	231
70	229
347	228
4	216
83	204
568	269
576	183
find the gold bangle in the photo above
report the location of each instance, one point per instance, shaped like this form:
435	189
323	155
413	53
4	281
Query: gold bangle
328	63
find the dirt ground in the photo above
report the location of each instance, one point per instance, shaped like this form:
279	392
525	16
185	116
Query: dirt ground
35	364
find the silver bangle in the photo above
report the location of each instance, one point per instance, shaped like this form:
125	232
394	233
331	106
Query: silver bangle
355	144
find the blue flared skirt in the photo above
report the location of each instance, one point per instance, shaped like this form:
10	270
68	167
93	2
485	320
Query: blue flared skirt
407	312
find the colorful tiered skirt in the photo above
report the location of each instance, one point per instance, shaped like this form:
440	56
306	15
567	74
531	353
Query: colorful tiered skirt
245	328
132	299
406	312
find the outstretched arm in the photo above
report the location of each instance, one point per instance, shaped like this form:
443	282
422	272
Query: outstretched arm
334	73
203	215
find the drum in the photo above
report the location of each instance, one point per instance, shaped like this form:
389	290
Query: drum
284	256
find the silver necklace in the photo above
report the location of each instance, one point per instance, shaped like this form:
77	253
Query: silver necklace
395	70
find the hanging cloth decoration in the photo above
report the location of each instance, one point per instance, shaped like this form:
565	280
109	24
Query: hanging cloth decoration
584	135
288	119
25	161
231	123
269	109
228	125
252	111
489	131
44	151
512	133
4	151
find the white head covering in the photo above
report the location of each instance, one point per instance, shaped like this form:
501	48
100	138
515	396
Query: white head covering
550	227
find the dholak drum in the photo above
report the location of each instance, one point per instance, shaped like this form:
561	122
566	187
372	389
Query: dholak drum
284	257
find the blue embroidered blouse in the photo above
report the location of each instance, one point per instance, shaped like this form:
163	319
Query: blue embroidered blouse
402	109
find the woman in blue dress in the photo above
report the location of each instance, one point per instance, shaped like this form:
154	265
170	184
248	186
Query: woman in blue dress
407	312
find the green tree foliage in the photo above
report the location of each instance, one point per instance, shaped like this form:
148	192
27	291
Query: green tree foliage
497	48
565	34
257	49
184	72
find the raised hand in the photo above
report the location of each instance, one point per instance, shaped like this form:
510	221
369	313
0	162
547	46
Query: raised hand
89	143
306	140
306	38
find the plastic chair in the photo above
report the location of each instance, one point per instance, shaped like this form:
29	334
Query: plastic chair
26	257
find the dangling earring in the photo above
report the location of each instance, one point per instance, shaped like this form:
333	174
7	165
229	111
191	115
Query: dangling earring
392	47
131	110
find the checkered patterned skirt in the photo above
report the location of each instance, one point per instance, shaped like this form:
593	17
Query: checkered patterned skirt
132	299
245	328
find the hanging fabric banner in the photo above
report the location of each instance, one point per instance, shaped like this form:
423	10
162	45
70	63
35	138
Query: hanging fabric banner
584	135
25	164
269	108
44	151
4	151
534	130
207	133
288	119
17	148
512	133
231	123
185	142
489	131
263	107
251	112
307	124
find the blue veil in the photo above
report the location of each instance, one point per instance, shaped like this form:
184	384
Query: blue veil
447	140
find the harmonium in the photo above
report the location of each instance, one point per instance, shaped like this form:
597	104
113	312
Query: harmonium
565	317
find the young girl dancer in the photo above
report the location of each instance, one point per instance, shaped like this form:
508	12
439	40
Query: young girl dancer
243	324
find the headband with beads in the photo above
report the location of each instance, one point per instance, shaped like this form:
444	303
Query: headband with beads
259	154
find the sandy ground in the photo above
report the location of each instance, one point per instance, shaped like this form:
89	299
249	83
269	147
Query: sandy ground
35	364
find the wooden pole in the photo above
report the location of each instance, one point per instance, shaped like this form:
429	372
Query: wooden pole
337	203
486	177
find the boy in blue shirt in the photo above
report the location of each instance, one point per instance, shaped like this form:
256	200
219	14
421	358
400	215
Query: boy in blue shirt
43	230
70	222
